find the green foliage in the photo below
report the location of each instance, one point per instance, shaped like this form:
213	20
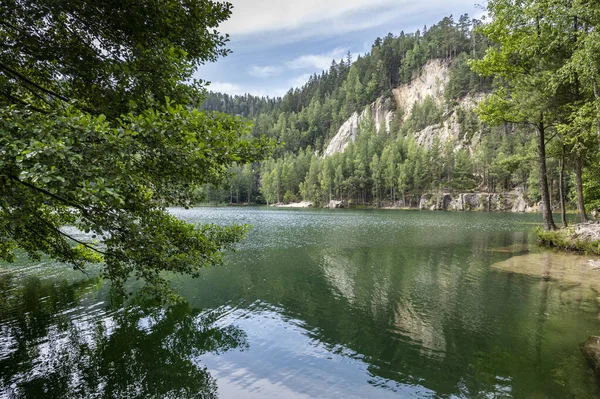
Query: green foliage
463	178
463	80
96	132
528	90
312	114
423	114
567	239
591	185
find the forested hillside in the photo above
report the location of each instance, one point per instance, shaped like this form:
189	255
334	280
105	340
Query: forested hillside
395	167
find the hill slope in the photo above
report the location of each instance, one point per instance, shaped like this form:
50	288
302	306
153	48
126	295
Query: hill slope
390	128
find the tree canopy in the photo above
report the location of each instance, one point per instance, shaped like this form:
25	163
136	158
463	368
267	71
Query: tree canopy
99	131
535	65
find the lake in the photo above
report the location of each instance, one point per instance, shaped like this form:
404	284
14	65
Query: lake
314	304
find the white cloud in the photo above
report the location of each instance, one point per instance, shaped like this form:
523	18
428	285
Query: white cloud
319	61
268	23
251	16
299	81
264	71
235	89
224	87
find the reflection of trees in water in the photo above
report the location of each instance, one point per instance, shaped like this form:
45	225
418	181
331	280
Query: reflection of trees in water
51	346
447	323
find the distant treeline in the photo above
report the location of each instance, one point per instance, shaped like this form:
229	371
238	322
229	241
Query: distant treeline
390	168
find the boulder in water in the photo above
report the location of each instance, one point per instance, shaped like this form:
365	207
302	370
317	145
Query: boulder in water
333	204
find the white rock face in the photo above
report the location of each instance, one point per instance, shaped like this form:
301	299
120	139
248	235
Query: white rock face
382	113
302	204
431	82
347	133
450	128
334	204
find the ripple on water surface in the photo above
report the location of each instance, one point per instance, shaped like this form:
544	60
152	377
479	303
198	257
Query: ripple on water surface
317	303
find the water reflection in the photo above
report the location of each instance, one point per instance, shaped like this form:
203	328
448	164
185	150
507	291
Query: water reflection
416	307
327	304
57	342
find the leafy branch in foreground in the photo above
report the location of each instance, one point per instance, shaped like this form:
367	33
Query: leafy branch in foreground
98	132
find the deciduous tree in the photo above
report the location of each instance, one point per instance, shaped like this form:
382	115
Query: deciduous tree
98	131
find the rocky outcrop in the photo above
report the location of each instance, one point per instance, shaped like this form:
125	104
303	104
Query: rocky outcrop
584	237
484	202
303	204
431	82
588	231
333	204
381	112
426	203
344	136
450	128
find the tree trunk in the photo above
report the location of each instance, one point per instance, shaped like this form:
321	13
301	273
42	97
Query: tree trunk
561	191
551	190
580	203
541	147
597	97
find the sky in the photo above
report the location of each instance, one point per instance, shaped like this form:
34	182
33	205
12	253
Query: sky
278	44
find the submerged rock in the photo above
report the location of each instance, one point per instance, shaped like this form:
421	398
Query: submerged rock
591	352
568	269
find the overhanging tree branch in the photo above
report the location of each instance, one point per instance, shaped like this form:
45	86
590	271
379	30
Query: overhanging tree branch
49	194
32	83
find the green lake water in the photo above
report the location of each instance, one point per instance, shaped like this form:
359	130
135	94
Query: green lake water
314	304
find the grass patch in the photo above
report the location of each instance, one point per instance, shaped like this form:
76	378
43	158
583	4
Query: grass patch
567	239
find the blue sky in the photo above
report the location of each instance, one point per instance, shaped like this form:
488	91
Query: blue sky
278	44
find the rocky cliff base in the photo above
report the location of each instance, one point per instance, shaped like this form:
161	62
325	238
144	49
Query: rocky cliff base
485	202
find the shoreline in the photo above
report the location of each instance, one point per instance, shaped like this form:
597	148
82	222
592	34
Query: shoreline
580	238
362	207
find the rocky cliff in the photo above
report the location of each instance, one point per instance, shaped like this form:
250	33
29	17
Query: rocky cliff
450	128
514	201
431	82
381	111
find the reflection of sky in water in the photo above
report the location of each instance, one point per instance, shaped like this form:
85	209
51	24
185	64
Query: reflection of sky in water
285	362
